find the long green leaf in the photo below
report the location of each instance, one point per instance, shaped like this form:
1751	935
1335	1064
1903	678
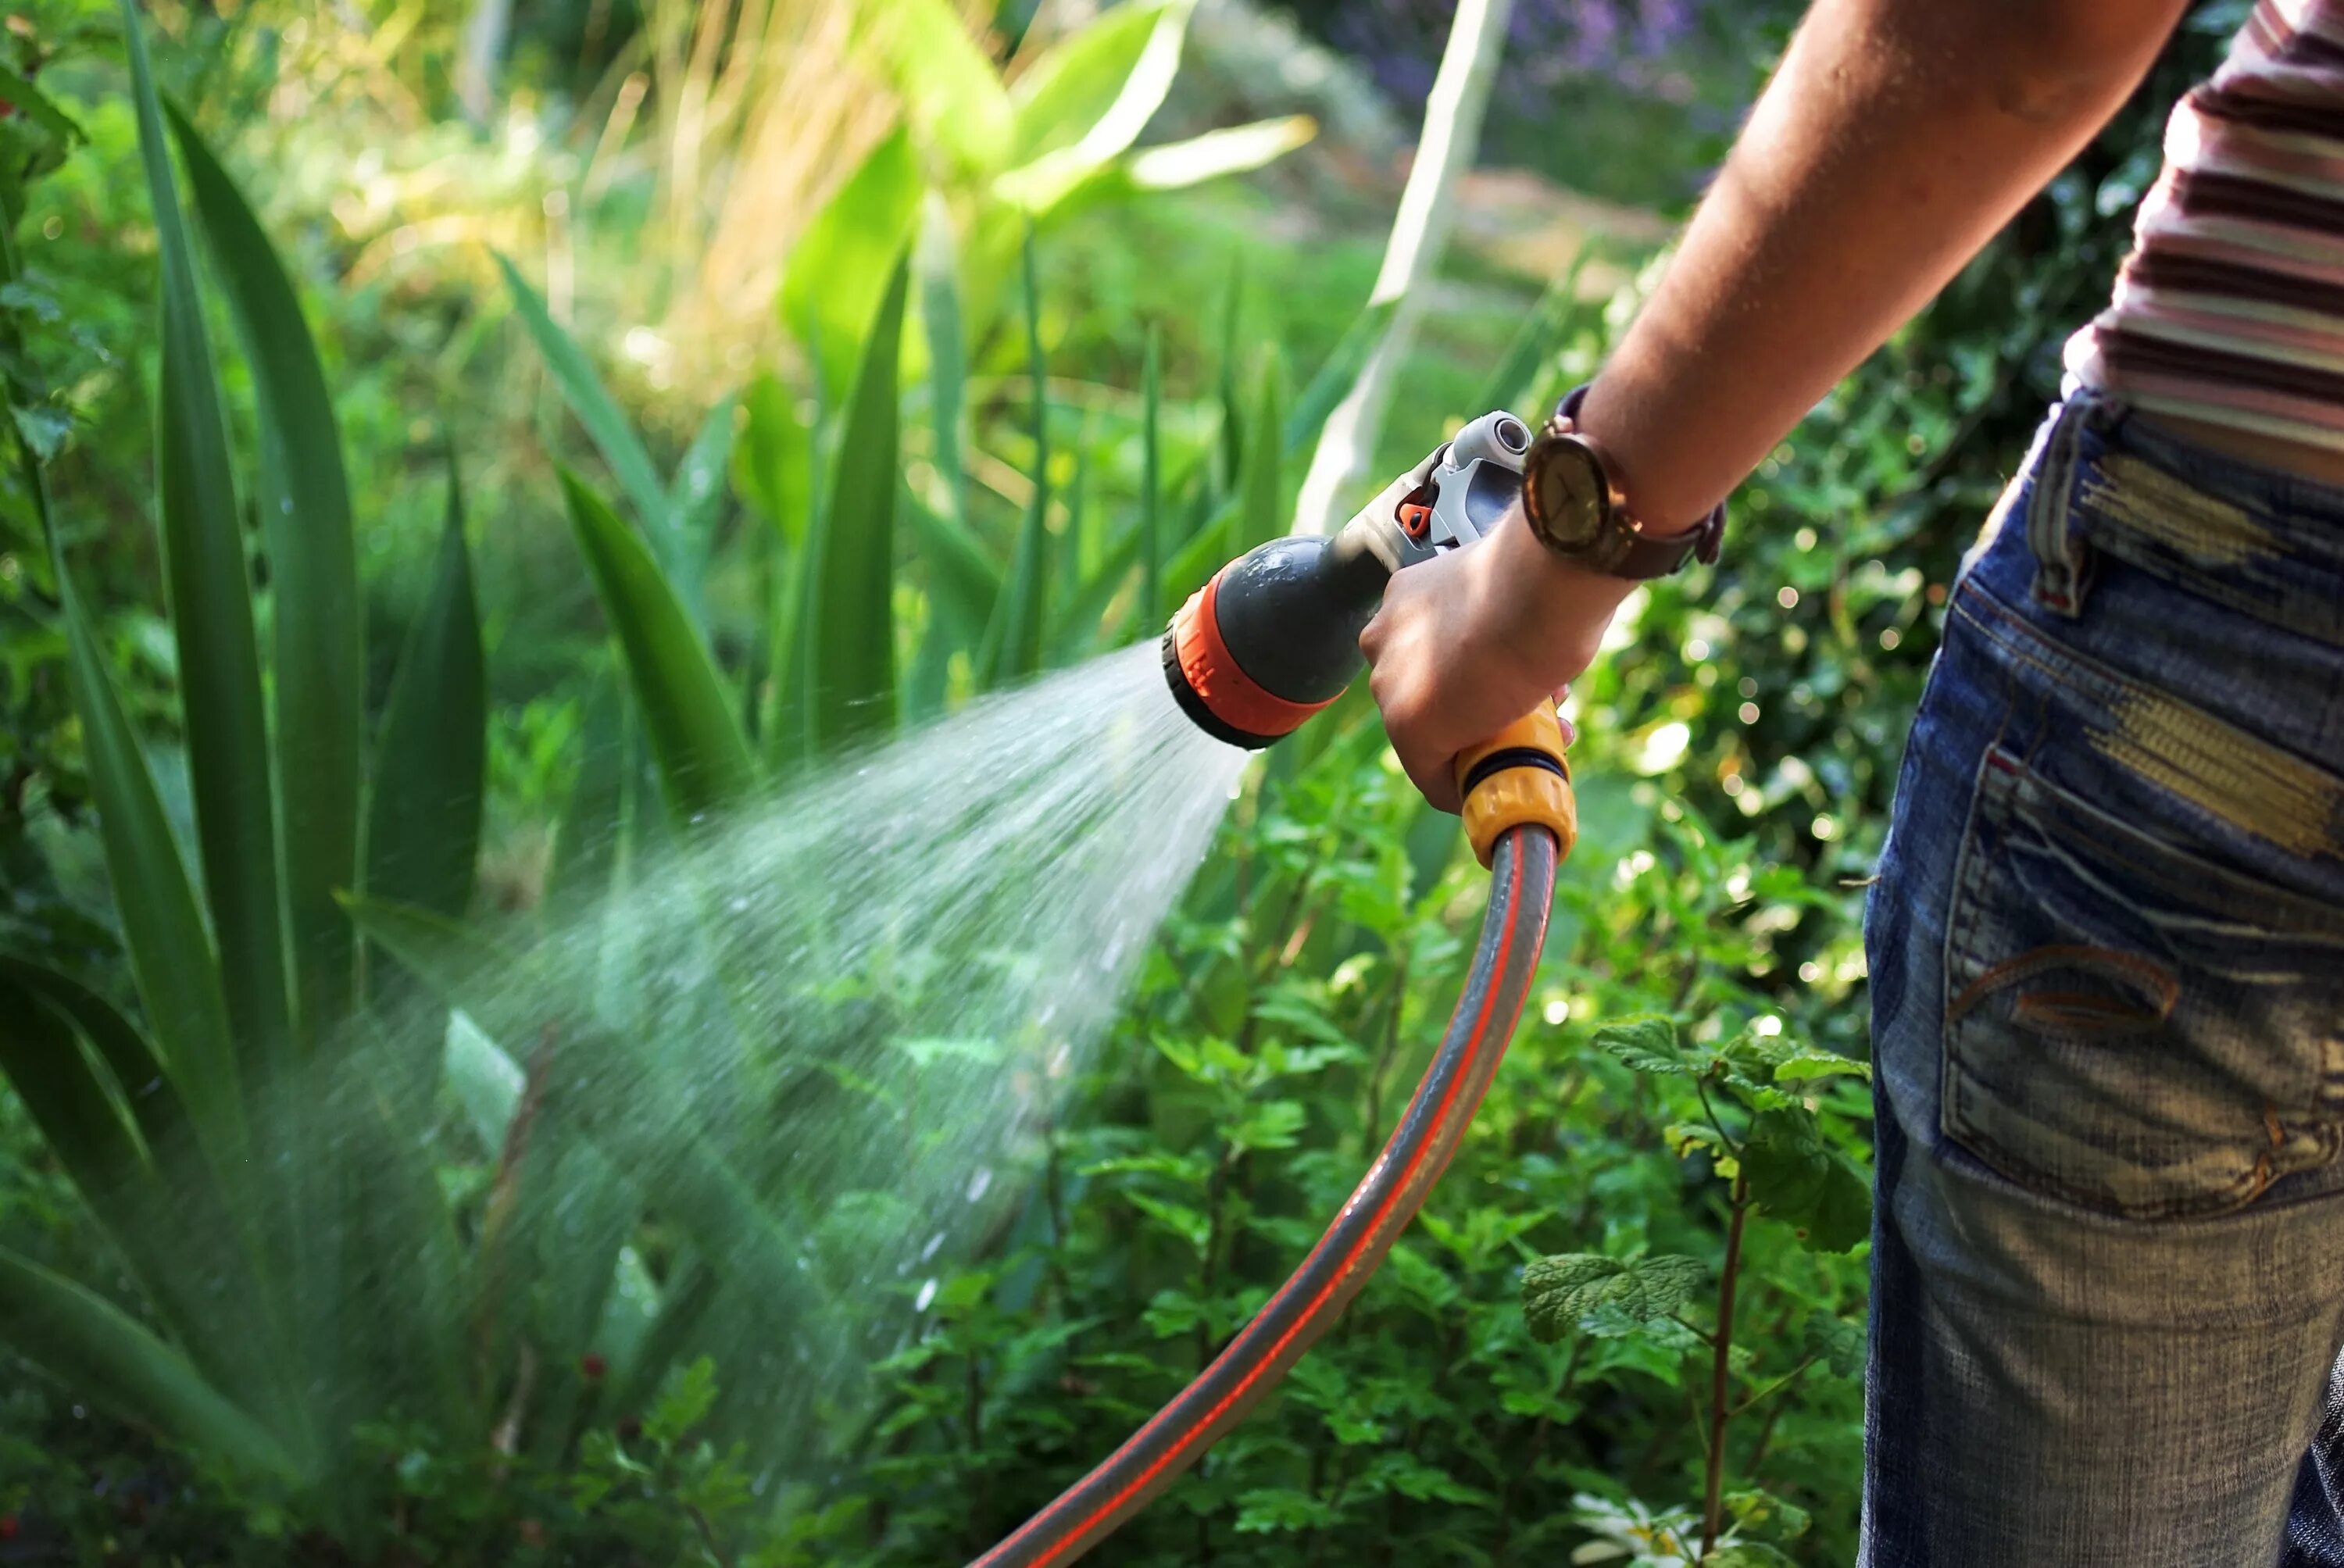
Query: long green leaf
1016	638
606	424
92	1346
586	837
1261	487
43	1061
171	954
211	613
153	1100
1335	374
938	260
1540	333
1095	91
430	766
317	619
696	496
947	85
850	636
1151	480
695	736
773	465
838	271
964	580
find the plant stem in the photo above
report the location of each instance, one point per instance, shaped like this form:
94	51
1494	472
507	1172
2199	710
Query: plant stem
1713	1503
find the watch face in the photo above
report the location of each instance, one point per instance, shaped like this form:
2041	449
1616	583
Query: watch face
1572	493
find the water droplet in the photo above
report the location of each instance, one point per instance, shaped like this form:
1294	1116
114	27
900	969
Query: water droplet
927	1294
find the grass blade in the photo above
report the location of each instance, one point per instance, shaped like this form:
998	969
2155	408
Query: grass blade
1335	376
1015	637
1261	490
695	736
1540	333
586	838
837	272
92	1346
939	268
171	956
211	614
316	618
154	1102
431	772
606	424
695	498
773	466
42	1062
1151	480
851	629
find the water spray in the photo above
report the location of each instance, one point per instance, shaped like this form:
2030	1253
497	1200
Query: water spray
1271	640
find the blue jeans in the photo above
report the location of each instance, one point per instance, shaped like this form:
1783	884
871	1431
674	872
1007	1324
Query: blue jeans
2107	951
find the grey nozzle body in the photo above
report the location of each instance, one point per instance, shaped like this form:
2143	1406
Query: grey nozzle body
1290	612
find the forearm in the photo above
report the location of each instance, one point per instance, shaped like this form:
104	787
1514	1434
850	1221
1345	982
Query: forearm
1896	139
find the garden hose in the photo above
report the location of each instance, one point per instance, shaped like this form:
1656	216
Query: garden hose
1271	640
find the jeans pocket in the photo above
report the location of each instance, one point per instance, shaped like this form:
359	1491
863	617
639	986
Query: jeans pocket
2130	1024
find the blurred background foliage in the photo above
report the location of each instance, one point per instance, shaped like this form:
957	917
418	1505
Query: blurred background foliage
811	366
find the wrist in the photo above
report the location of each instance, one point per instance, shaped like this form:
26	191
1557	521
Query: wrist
1548	613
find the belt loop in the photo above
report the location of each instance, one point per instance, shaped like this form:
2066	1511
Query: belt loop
2062	559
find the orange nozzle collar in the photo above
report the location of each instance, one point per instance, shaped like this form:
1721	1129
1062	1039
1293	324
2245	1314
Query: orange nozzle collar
1220	685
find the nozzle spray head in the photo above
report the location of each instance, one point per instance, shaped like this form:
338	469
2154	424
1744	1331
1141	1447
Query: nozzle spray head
1274	636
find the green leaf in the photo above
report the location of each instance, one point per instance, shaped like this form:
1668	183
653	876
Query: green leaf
1646	1044
1535	341
1806	1064
171	956
851	634
1088	98
964	580
839	269
585	839
33	104
1836	1343
937	260
1796	1177
695	496
1263	512
1152	608
93	1348
1234	149
317	619
1761	1513
695	737
948	86
152	1101
1335	374
772	466
430	771
43	1061
606	424
1747	1554
211	614
1014	639
1558	1292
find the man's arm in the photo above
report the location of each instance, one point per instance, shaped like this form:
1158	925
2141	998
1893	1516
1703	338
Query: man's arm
1896	139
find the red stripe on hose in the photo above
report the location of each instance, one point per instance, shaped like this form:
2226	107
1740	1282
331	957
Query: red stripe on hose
1186	1441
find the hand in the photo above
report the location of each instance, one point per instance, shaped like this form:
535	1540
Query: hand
1467	644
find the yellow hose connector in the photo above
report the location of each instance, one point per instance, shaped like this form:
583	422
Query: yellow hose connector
1516	776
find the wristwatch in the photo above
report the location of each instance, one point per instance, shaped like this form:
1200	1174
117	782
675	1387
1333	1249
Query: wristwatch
1572	502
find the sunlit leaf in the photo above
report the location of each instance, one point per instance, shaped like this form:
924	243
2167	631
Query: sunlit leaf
842	266
1559	1290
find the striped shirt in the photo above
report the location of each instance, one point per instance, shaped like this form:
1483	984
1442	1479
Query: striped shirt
2230	309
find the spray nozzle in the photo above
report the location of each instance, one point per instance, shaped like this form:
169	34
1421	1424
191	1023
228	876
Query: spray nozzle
1275	635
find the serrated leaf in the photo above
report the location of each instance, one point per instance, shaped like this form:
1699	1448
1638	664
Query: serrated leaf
1645	1044
1836	1342
1813	1064
1558	1292
1796	1177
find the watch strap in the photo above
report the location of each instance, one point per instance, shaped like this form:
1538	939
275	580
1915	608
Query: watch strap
1632	553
